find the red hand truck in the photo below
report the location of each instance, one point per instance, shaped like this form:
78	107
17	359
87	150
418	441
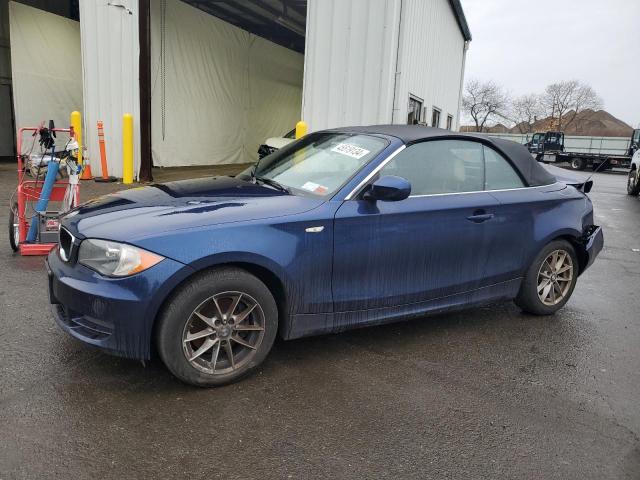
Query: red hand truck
29	191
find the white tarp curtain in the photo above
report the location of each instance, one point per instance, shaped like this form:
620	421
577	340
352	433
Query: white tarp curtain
217	91
46	66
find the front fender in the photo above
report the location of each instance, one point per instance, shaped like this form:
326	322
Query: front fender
248	258
300	259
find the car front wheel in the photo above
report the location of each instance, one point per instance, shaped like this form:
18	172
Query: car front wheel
550	280
217	328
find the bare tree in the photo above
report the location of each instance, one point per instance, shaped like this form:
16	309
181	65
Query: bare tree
484	102
563	101
525	110
586	98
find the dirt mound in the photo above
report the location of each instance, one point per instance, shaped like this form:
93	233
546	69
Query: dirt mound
588	123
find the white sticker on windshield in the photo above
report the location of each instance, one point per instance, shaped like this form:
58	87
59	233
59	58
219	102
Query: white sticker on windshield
315	188
352	151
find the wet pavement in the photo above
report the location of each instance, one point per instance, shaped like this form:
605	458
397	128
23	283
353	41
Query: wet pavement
487	393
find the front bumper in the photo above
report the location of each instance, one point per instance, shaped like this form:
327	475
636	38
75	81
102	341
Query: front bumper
115	315
593	241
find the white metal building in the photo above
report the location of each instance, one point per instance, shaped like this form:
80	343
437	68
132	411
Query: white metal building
208	80
370	62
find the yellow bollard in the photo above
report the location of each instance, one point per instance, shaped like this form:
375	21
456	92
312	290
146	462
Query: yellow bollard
76	122
127	148
301	129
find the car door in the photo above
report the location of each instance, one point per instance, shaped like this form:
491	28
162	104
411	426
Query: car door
512	232
430	245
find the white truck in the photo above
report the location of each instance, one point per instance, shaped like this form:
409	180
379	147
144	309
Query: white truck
584	152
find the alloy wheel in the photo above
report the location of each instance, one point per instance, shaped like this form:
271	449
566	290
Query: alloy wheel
223	333
555	277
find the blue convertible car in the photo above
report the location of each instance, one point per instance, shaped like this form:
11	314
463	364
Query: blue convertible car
340	229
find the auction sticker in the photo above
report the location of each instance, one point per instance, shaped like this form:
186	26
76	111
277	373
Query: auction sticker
315	188
349	150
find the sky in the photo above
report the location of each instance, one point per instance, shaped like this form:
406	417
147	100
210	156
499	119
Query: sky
526	45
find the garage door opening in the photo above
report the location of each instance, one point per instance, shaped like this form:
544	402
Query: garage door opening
225	75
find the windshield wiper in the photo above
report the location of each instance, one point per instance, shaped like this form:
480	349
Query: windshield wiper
272	183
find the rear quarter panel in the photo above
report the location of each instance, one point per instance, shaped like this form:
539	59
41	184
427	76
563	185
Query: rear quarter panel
539	215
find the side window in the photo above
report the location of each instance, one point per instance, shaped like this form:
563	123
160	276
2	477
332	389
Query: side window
440	166
498	172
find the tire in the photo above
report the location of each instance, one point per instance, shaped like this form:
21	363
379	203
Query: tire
205	305
578	164
633	185
14	235
528	298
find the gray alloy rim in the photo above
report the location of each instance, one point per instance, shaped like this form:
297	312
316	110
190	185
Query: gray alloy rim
555	277
223	333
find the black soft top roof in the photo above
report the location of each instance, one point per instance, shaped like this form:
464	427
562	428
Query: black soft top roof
531	171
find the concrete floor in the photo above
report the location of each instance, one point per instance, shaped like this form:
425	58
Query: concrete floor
488	393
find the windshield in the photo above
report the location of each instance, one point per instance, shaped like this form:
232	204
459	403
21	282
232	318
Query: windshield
320	163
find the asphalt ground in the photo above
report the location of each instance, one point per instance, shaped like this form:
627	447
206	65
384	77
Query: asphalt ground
486	393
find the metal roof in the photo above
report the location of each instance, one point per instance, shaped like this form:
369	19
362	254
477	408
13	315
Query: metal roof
461	19
282	21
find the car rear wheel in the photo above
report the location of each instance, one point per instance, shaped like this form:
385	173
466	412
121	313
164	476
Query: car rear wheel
633	185
217	328
14	228
550	280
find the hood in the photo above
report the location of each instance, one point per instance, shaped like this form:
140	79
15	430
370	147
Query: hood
137	213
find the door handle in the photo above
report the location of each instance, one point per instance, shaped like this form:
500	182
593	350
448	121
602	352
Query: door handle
480	216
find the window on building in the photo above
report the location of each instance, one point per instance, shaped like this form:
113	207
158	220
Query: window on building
435	117
415	110
449	122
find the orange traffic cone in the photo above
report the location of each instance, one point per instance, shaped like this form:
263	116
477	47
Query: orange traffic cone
86	168
103	156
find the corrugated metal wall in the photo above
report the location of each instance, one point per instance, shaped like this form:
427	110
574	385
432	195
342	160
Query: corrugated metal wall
353	50
350	61
110	55
431	59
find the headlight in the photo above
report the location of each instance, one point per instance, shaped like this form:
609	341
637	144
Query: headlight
115	259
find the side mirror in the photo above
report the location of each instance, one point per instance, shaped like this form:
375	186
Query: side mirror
388	189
